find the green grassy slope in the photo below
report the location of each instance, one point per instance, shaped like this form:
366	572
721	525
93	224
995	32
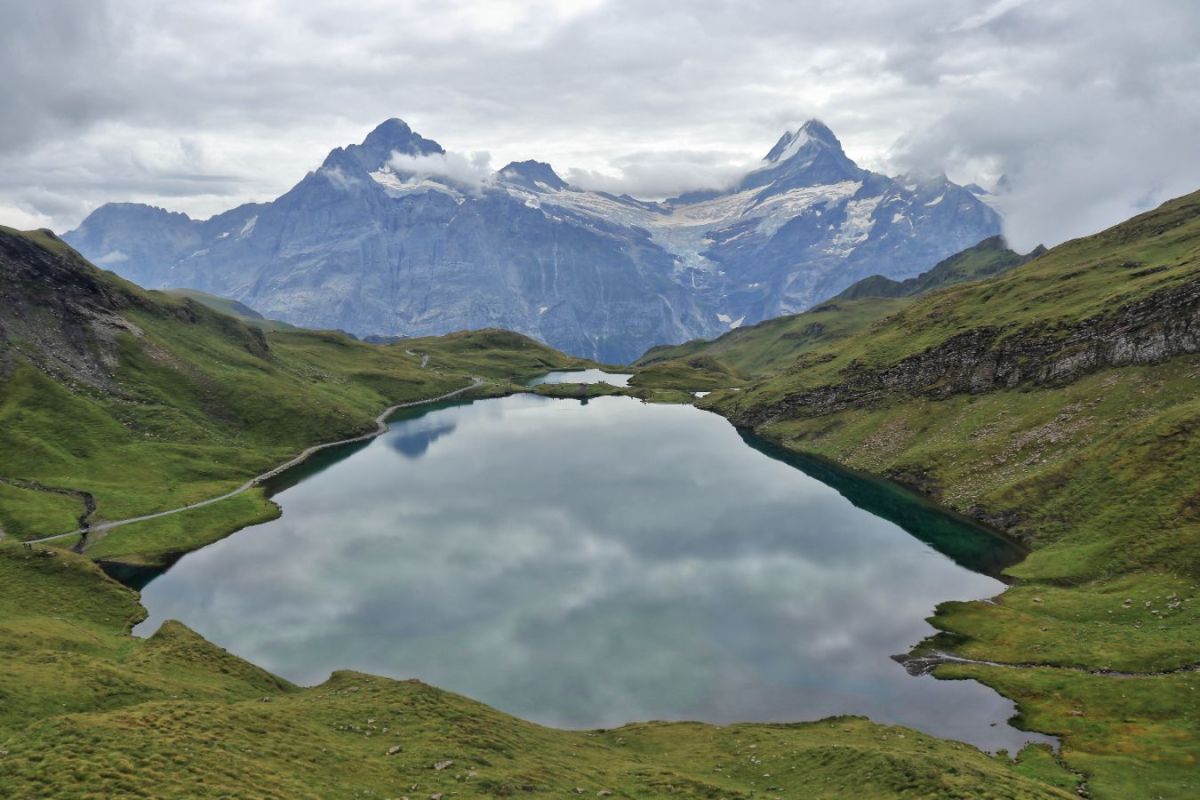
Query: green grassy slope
745	354
146	402
776	344
24	509
1057	401
984	260
1085	279
136	402
231	307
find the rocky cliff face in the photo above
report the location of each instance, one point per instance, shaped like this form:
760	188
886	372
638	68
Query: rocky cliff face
1152	329
385	238
65	317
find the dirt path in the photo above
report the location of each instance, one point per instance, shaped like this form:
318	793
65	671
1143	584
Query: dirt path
380	427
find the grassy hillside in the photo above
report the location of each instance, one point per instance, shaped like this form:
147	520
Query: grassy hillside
115	401
1059	402
986	259
231	307
1085	281
136	402
757	351
776	344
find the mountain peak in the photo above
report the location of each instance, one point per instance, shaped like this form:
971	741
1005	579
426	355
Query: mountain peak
529	174
394	135
390	136
816	129
809	136
390	129
808	156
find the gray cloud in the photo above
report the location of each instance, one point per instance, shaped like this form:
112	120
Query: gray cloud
1089	108
656	175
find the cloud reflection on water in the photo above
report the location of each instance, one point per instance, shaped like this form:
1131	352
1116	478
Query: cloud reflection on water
584	567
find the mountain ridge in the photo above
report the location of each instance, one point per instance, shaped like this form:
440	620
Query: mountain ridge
393	236
990	257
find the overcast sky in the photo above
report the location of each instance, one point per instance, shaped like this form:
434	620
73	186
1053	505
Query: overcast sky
1090	107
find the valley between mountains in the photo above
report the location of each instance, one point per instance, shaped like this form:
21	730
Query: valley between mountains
1051	396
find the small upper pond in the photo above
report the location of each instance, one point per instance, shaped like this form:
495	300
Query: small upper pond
584	376
590	564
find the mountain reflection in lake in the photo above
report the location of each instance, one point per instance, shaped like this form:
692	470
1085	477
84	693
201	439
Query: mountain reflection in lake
587	566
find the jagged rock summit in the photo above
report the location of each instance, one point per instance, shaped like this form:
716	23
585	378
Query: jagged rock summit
385	238
808	156
532	175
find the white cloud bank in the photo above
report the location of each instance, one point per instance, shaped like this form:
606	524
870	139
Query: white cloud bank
1089	107
659	175
471	172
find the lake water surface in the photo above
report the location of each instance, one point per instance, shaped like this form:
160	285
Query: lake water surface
584	376
586	564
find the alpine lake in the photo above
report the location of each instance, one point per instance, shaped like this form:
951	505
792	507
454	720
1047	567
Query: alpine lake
584	564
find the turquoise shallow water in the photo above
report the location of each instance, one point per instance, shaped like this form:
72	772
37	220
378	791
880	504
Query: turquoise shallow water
590	564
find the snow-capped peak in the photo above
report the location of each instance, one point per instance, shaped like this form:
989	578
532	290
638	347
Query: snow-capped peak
812	132
389	137
532	175
808	156
394	135
787	146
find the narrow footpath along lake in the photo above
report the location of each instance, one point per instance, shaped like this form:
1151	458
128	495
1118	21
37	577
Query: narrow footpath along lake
587	564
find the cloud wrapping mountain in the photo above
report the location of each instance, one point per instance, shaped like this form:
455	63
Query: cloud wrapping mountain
395	236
